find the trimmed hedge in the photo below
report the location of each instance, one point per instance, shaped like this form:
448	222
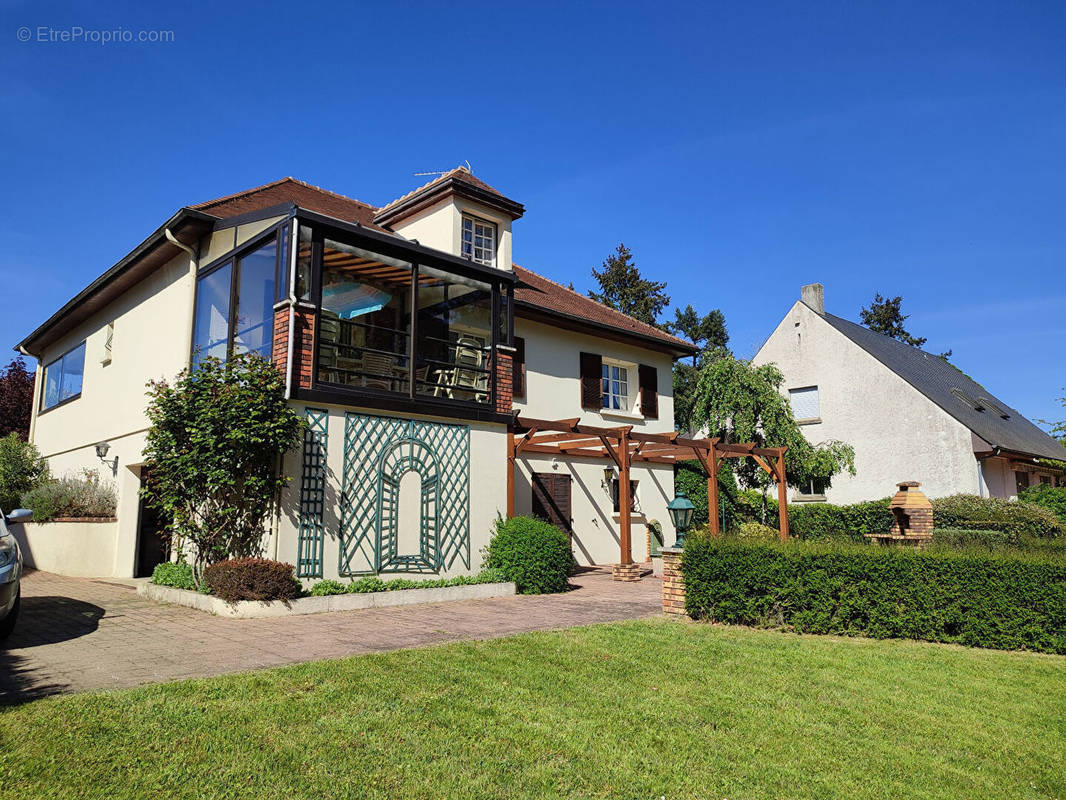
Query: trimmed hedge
971	511
251	579
1053	498
961	538
531	552
971	598
372	583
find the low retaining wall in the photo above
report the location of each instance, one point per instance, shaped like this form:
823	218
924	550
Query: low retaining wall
253	609
81	548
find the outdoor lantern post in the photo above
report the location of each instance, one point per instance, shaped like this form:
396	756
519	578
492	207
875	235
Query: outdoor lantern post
681	511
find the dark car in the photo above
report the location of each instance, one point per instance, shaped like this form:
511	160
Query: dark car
10	571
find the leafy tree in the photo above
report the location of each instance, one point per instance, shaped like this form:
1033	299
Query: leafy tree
624	289
16	398
213	451
21	469
885	315
710	334
1058	429
740	402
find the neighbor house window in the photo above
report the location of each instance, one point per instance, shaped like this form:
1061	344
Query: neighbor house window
479	241
815	489
235	305
614	386
62	378
1021	481
805	404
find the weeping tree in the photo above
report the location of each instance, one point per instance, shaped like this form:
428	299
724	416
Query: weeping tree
213	454
740	402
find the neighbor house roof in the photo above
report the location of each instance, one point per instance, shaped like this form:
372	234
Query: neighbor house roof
534	292
959	395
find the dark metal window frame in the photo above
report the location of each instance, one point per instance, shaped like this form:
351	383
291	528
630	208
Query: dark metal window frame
44	379
276	232
501	286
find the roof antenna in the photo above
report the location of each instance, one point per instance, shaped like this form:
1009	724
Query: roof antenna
440	172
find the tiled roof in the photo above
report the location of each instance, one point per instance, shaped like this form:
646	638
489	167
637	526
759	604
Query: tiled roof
952	390
290	190
543	293
461	174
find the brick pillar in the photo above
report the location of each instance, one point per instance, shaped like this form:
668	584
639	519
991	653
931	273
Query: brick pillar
504	378
673	582
303	351
280	350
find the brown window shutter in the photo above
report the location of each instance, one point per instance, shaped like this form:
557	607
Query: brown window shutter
518	368
591	374
649	391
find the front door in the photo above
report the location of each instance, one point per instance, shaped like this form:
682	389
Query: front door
153	541
551	500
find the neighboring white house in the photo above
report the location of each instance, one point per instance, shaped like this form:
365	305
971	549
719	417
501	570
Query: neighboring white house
910	415
408	340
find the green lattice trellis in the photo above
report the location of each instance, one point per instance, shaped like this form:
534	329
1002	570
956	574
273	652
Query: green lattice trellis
312	494
378	452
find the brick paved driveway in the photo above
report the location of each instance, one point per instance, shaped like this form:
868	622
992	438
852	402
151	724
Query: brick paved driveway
76	634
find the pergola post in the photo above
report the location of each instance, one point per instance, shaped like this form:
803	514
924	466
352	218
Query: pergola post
713	518
782	495
624	500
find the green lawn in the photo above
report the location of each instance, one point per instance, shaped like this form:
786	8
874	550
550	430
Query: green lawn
634	710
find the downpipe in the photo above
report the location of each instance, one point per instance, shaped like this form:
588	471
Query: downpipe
194	265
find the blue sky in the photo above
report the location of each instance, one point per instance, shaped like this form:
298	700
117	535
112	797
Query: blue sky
739	149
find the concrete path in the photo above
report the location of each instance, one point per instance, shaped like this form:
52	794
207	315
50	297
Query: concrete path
76	634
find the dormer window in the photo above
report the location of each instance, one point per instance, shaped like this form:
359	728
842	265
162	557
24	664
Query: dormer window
479	241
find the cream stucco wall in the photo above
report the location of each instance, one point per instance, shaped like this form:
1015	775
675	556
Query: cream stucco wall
81	549
898	434
440	227
553	377
488	490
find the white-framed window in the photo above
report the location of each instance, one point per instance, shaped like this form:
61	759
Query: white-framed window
805	404
479	240
615	380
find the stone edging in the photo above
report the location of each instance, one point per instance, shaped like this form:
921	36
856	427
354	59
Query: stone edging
82	519
252	609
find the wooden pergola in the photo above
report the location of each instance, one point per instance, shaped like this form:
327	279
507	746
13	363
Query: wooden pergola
625	447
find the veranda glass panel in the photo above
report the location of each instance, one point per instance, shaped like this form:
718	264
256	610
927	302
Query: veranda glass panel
453	354
255	302
365	324
211	334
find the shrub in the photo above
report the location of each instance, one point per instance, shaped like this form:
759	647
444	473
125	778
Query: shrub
213	452
71	496
373	583
961	538
328	587
972	598
251	579
532	553
174	573
21	469
1050	497
755	531
971	511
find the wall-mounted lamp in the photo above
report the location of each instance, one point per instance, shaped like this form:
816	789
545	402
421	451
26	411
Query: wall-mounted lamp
555	463
101	453
608	477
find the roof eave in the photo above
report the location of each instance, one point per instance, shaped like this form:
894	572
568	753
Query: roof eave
433	192
677	350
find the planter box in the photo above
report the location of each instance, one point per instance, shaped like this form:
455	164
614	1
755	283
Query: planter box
254	609
82	548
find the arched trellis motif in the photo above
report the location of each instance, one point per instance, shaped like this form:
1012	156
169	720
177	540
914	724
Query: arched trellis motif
371	441
408	456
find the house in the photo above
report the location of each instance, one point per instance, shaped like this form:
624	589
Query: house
910	415
415	349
